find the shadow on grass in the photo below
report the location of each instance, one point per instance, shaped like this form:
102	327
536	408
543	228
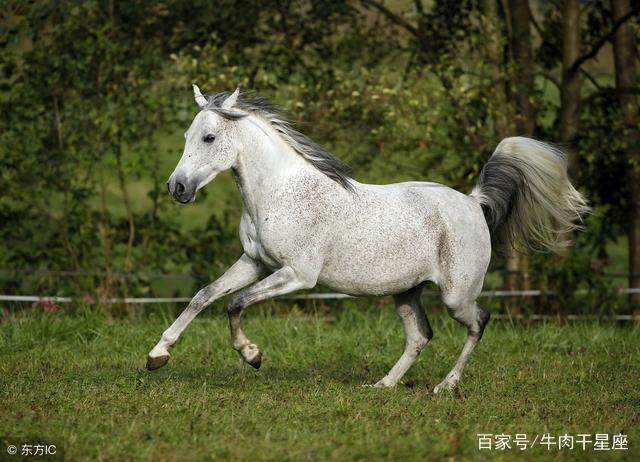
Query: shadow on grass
319	372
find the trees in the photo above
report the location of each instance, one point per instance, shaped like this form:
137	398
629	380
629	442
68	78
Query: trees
90	97
86	92
522	55
519	16
78	106
431	36
625	55
571	86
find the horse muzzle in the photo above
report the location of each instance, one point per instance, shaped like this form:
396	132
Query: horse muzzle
181	189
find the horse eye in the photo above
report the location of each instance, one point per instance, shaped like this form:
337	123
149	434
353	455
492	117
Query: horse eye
209	138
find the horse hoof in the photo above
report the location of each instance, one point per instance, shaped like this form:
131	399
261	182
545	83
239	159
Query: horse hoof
256	361
445	385
157	362
379	384
383	384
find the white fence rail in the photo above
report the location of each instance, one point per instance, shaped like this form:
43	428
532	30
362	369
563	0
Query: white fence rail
311	296
331	296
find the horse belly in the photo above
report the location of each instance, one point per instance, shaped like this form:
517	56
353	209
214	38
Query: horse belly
394	242
389	260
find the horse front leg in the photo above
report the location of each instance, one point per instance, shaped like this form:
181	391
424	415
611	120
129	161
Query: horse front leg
282	282
242	273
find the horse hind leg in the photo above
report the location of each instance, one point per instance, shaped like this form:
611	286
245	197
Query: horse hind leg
417	333
467	312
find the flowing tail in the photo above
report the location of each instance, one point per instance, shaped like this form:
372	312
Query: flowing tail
527	198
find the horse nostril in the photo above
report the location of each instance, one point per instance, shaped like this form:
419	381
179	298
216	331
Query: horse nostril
168	187
180	188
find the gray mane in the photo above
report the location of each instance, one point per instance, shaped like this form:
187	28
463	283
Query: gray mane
321	159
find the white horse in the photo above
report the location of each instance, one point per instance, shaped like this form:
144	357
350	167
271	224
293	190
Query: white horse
306	222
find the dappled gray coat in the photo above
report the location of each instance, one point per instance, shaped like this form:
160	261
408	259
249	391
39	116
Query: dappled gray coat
306	222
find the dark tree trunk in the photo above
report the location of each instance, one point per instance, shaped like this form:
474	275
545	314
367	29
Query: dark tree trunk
570	89
503	117
624	50
521	54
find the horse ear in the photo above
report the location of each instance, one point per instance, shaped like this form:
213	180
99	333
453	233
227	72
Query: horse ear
200	98
231	100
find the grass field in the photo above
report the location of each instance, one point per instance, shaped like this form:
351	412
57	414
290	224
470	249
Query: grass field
76	379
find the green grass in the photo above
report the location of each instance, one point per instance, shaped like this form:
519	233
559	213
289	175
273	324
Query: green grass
75	379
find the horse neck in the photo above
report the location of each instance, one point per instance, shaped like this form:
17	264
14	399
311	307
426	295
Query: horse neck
265	164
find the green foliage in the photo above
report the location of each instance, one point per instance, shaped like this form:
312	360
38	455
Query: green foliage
94	96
